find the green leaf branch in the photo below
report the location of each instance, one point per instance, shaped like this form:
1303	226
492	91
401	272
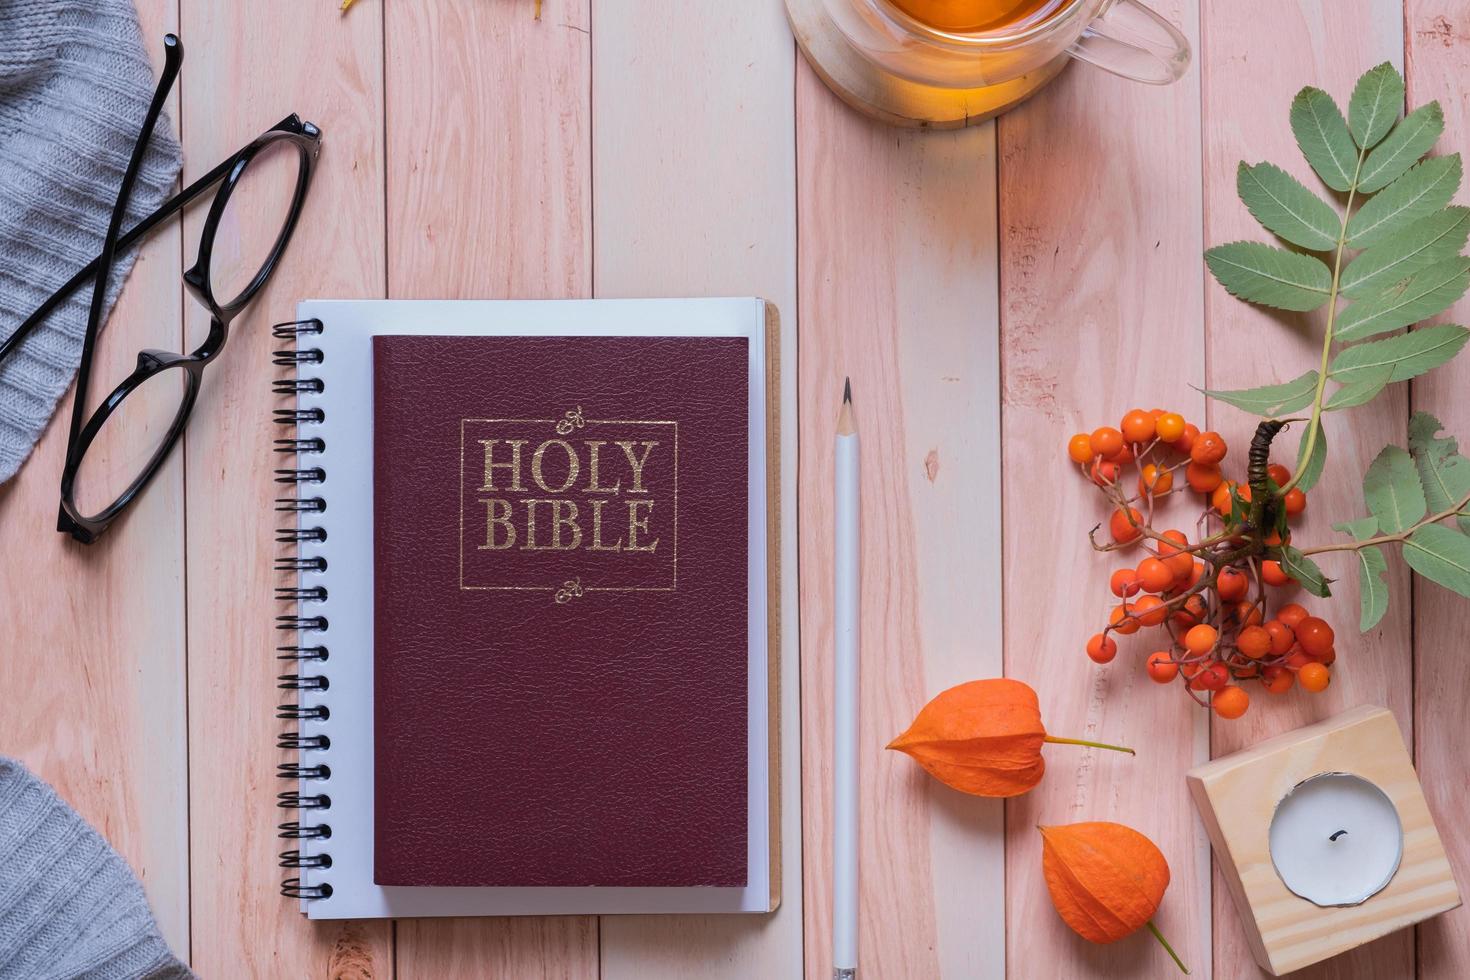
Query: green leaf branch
1385	260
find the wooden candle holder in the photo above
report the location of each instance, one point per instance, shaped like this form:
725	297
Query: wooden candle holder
1237	797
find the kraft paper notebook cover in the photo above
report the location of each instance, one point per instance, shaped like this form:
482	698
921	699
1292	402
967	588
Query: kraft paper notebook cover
549	596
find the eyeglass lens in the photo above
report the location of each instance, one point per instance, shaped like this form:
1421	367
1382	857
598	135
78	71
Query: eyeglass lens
127	442
254	215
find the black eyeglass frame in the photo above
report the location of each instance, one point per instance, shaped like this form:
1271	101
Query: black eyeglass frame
306	138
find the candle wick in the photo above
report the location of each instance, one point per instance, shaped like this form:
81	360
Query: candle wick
1337	835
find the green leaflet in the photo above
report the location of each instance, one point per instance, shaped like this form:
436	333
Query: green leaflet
1392	490
1360	391
1372	589
1411	354
1431	239
1411	139
1272	400
1444	473
1280	203
1324	138
1361	529
1270	276
1425	189
1375	104
1305	571
1311	469
1440	555
1426	293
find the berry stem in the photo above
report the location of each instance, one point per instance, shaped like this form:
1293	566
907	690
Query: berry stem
1315	423
1095	745
1169	949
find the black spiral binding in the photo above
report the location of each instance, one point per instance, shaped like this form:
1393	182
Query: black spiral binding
310	775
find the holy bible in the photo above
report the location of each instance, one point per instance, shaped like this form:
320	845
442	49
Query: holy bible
548	587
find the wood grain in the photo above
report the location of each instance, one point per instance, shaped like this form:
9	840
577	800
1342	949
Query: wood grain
1437	44
489	189
664	225
896	251
93	667
248	67
1101	312
1328	45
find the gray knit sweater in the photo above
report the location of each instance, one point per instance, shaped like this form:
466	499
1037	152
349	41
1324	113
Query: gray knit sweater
75	82
69	906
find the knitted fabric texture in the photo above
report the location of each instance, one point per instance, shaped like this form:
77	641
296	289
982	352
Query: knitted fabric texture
69	905
75	83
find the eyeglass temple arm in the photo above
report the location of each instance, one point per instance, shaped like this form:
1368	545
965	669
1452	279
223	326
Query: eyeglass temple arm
125	241
173	58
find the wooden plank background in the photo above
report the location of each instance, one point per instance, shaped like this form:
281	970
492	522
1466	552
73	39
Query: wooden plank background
988	291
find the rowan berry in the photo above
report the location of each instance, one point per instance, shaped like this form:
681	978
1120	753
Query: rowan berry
1212	677
1208	448
1291	615
1107	441
1196	572
1297	660
1273	574
1231	702
1138	426
1185	442
1295	501
1314	677
1232	584
1278	474
1220	499
1243	672
1172	551
1155	575
1281	635
1152	479
1150	610
1169	426
1254	642
1326	658
1314	635
1105	472
1079	447
1203	477
1247	614
1125	525
1161	667
1192	612
1125	582
1276	539
1277	680
1122	620
1123	456
1201	639
1101	648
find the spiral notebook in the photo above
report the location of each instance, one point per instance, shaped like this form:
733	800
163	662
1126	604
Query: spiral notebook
533	613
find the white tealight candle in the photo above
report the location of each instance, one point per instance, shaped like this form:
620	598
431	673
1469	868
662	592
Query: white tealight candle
1336	839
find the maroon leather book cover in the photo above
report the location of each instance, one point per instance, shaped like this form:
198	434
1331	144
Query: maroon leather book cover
560	636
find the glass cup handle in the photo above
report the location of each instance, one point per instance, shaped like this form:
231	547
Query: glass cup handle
1129	39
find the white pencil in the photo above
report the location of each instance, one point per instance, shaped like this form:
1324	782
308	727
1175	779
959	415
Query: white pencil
845	698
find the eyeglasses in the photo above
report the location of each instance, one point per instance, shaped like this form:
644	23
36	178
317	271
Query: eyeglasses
261	190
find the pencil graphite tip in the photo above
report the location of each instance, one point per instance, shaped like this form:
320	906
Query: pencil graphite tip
847	391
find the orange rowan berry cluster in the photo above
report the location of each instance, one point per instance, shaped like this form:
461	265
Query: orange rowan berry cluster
1209	596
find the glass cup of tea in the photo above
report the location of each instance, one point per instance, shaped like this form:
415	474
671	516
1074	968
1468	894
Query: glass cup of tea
1009	48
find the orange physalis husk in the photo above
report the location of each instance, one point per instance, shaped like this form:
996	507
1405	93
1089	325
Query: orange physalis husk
1105	879
983	738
